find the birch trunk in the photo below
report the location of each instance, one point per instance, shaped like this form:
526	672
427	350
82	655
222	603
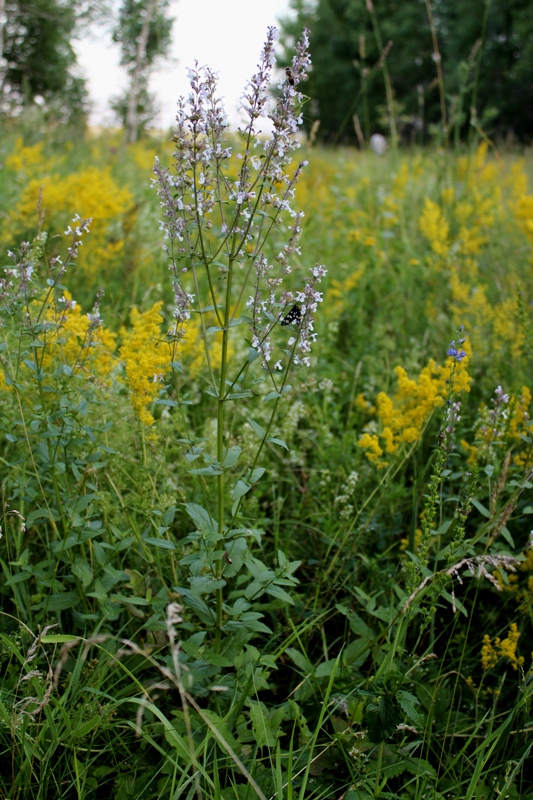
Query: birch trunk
131	114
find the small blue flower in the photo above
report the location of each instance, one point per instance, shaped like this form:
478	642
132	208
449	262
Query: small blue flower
456	354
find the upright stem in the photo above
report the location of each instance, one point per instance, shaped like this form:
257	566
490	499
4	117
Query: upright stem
220	442
378	770
438	60
386	76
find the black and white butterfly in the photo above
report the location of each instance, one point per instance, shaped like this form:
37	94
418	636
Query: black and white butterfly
294	317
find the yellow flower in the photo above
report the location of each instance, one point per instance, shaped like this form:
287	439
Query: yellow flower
4	387
403	416
90	193
501	648
145	359
370	443
434	226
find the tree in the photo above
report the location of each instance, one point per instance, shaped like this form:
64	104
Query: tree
487	62
38	57
144	33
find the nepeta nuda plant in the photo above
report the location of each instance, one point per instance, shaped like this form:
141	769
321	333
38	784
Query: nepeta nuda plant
217	229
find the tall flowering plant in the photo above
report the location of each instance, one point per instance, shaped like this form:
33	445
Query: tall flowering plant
216	230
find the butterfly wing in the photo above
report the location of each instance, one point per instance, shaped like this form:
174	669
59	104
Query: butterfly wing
294	317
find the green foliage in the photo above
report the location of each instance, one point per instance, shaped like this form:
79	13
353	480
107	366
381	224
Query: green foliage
486	56
40	58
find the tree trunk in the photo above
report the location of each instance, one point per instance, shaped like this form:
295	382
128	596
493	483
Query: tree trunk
137	74
3	63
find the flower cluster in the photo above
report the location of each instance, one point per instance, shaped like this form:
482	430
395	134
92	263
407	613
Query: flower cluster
92	190
492	652
403	416
145	360
218	219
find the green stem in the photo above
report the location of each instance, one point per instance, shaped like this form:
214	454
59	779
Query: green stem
220	443
378	770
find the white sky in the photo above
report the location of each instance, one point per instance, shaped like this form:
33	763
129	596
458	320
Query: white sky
225	34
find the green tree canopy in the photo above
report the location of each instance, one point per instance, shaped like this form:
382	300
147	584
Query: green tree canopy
38	53
487	59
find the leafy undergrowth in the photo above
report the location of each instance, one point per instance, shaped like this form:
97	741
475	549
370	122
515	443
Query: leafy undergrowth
360	625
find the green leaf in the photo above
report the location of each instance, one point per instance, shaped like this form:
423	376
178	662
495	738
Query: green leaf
240	489
381	718
210	470
82	571
134	601
164	544
279	593
279	442
409	704
232	456
87	727
325	669
506	533
60	601
201	518
480	507
257	428
257	474
58	638
39	513
261	725
99	593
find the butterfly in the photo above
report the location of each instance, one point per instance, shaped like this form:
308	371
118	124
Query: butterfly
294	317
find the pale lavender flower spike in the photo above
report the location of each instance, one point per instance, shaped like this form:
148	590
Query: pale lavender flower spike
197	196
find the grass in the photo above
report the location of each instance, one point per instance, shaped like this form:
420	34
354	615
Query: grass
370	664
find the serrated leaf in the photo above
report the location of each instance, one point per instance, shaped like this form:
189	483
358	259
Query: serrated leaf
276	591
381	718
261	725
201	518
409	703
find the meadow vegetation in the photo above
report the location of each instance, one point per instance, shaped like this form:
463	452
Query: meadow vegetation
238	562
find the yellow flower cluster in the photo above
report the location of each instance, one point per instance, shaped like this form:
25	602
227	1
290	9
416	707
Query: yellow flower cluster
73	343
435	228
91	193
403	416
492	652
4	387
462	230
145	358
23	158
